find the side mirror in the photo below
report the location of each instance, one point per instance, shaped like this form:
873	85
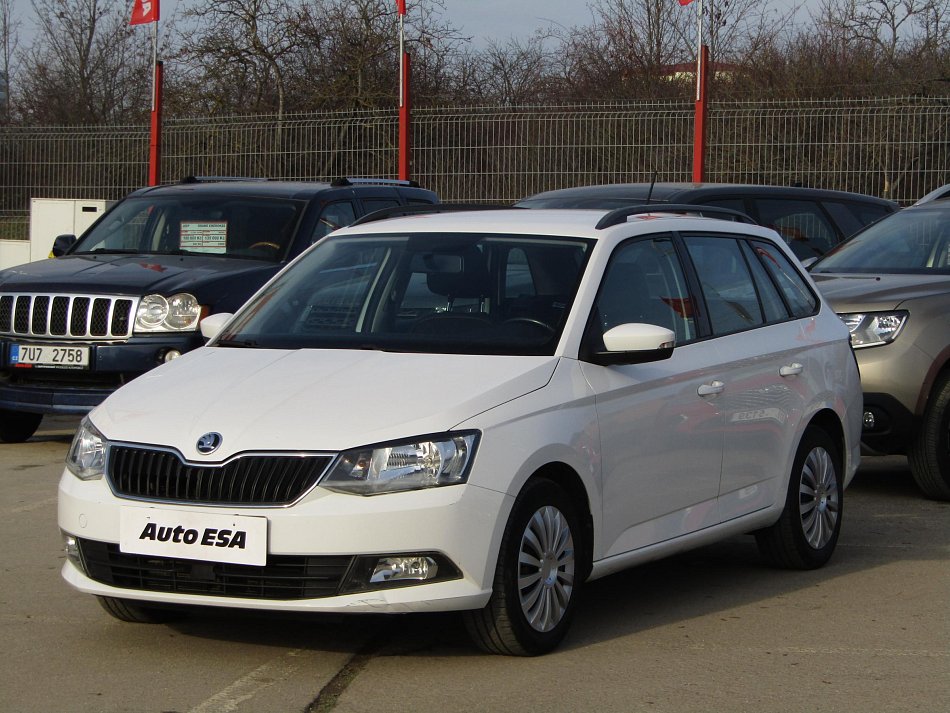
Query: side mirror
62	244
212	325
635	344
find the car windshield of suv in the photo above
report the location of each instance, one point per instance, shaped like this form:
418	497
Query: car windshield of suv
426	292
222	225
915	240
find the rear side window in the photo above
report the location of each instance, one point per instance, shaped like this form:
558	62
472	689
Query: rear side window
798	295
732	301
802	224
851	217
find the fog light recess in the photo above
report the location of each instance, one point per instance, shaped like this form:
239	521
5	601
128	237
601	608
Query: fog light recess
398	570
171	354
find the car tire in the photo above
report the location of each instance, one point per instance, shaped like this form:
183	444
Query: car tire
136	613
535	589
929	454
18	426
805	535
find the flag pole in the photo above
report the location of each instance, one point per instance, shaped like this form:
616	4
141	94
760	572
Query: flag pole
404	118
155	133
699	117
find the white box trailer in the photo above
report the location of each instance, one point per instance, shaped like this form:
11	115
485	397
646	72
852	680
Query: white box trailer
50	217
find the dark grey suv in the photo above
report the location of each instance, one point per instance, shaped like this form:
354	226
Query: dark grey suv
811	220
128	295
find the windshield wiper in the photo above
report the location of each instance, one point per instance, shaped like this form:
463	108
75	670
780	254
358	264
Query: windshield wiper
237	343
108	251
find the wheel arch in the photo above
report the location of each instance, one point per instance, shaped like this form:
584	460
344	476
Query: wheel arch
829	422
939	370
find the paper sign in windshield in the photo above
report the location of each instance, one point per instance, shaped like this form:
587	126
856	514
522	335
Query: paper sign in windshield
205	237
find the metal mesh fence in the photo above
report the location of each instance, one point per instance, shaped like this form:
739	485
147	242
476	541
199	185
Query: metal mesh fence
895	147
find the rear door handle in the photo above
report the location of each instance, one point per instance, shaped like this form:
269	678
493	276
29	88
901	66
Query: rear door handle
791	370
711	389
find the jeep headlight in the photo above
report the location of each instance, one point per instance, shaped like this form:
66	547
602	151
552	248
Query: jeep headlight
873	329
178	313
426	462
87	454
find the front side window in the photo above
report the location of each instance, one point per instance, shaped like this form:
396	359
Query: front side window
225	226
440	293
333	216
644	283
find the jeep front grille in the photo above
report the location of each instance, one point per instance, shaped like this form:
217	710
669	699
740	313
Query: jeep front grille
67	316
162	475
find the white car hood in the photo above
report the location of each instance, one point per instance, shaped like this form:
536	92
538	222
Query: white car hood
312	400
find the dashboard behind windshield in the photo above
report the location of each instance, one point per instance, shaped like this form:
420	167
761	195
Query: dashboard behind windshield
224	226
442	293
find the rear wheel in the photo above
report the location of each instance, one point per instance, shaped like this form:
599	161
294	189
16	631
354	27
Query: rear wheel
18	426
807	531
137	613
929	454
535	588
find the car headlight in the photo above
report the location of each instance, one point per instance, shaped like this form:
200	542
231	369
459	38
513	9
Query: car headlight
178	313
87	454
873	329
426	462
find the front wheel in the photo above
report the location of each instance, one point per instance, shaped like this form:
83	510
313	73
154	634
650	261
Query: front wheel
929	454
535	588
18	426
807	530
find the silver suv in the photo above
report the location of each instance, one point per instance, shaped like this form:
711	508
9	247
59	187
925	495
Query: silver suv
891	286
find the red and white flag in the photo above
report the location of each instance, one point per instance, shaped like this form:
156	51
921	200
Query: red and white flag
684	3
144	12
401	6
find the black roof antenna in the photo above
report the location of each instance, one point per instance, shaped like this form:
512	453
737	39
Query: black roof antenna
652	183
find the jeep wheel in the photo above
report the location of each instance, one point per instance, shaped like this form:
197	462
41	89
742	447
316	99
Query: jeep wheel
929	454
807	530
18	426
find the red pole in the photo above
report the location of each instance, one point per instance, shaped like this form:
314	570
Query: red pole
155	143
404	117
699	121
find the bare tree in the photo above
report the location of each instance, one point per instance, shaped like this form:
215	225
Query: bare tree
86	65
9	40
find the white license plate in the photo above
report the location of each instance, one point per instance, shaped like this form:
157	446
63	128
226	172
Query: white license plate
213	537
49	356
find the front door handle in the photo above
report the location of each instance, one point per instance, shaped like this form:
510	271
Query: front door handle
791	370
711	389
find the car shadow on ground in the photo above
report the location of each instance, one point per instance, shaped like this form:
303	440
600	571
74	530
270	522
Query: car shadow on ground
716	578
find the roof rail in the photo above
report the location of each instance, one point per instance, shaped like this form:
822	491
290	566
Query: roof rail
345	181
216	179
398	211
620	215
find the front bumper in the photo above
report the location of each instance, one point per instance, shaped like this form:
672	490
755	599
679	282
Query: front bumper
78	391
462	523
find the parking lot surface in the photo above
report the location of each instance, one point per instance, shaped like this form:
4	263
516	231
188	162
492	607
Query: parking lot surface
710	630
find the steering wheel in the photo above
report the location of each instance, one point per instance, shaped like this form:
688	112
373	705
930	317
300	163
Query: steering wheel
533	322
265	244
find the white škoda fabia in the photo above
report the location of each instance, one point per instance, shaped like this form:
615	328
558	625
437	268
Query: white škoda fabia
474	411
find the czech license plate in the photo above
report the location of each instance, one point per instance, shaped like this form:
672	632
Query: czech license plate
49	356
213	537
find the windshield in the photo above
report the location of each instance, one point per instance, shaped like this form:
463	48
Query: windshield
428	292
211	225
915	240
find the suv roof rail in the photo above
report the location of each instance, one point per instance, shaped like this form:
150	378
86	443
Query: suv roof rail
216	179
620	215
346	181
398	211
